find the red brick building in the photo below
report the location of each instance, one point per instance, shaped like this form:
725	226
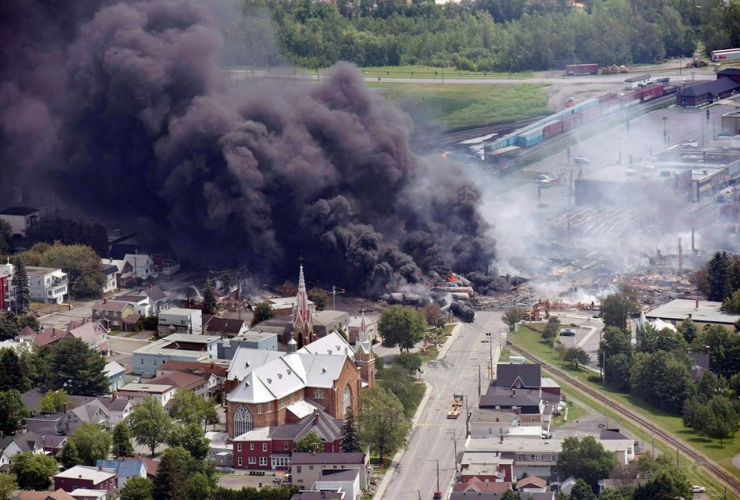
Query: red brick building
80	476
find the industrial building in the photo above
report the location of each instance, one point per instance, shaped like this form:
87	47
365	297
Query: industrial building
726	84
176	347
701	312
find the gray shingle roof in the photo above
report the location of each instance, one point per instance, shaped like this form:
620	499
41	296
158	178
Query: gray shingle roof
529	374
328	458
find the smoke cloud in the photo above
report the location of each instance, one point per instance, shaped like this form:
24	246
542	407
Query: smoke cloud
123	107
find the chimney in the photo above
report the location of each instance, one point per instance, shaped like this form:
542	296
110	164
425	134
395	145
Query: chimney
113	396
316	416
100	468
513	393
64	408
105	301
502	439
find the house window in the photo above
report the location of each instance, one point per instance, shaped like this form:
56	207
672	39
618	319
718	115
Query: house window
251	446
269	407
286	446
264	446
318	394
239	461
242	420
347	399
298	469
263	460
259	408
252	460
238	447
310	467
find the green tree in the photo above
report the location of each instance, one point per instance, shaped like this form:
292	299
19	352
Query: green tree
585	459
512	316
311	442
581	491
122	445
262	312
511	495
33	471
576	356
724	350
82	266
21	287
197	487
8	485
409	362
350	439
76	367
190	437
92	442
732	303
432	313
383	423
53	401
661	379
149	423
665	340
719	277
552	328
319	297
401	326
12	411
70	456
689	330
137	488
172	473
13	373
188	407
210	305
616	309
667	484
6	238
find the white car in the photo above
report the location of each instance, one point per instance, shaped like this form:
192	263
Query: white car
697	489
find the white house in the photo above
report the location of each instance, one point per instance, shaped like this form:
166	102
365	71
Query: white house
176	347
142	265
135	392
115	372
180	320
47	284
123	469
20	218
111	280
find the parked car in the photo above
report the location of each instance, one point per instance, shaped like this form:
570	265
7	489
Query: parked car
697	489
580	159
567	332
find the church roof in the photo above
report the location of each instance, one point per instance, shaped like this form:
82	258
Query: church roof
332	344
245	360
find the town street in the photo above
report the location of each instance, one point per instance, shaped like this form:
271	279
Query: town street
434	436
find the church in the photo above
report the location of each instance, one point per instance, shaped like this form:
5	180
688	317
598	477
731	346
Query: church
271	388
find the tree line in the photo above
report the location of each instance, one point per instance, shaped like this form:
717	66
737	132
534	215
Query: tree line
484	35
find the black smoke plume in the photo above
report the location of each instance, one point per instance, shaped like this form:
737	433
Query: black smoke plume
123	106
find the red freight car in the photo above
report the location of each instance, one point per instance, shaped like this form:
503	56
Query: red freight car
581	69
651	92
552	129
608	98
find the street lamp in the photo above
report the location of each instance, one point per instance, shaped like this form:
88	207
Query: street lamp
665	131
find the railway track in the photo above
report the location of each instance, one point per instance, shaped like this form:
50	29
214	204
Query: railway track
730	481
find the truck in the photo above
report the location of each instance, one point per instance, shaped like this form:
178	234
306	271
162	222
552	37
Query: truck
581	69
725	55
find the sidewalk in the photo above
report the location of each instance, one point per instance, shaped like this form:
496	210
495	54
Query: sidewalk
450	340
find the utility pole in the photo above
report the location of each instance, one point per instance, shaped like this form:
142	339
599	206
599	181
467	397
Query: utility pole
490	354
454	441
678	465
438	472
334	296
478	380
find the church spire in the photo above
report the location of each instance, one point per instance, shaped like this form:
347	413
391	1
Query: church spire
302	316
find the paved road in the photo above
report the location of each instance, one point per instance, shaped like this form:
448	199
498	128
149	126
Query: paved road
432	436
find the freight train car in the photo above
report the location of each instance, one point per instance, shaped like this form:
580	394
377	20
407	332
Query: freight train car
581	69
725	55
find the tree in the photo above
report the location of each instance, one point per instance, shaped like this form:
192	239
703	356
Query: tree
311	442
432	313
408	361
197	487
689	330
667	484
586	459
6	238
77	368
581	491
664	340
662	379
615	309
172	472
262	312
21	287
511	495
512	316
137	488
191	438
289	289
70	456
401	326
82	266
149	423
93	443
53	401
383	423
552	328
33	471
732	303
724	350
210	306
719	277
12	411
319	297
188	407
576	356
8	485
350	439
12	372
122	445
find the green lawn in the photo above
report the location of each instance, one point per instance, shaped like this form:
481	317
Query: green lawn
430	354
432	72
458	106
575	412
529	340
449	328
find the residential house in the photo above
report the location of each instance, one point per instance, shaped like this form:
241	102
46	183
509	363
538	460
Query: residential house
525	403
165	264
49	336
355	322
157	298
487	467
176	347
215	372
532	484
270	448
326	322
42	495
221	449
47	284
135	392
141	303
7	297
150	464
533	457
20	443
226	327
319	495
93	333
182	380
307	468
516	376
115	374
180	320
253	339
111	277
347	480
58	423
142	265
124	272
81	476
17	344
119	409
20	219
124	470
112	314
475	487
87	494
614	441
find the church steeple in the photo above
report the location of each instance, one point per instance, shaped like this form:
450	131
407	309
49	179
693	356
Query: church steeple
302	317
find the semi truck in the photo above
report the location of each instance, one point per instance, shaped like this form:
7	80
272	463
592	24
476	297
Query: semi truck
725	55
581	69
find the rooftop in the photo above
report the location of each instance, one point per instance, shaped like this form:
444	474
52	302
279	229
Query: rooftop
84	472
149	388
528	375
637	78
516	444
225	325
59	494
340	475
179	311
284	302
715	87
112	369
531	482
526	399
109	306
325	318
43	270
18	211
180	379
328	458
176	343
702	311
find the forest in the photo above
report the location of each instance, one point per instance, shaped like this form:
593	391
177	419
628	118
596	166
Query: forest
479	35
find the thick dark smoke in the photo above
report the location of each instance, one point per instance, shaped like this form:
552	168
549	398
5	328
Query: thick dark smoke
123	106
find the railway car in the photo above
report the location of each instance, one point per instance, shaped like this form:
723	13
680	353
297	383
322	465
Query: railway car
531	137
552	129
651	92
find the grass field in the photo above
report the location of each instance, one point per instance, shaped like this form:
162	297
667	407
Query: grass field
528	340
459	106
575	412
438	73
